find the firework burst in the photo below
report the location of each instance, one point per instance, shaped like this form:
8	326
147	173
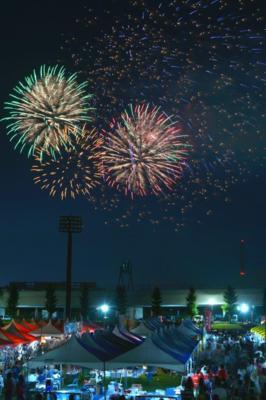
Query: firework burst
144	152
46	111
76	172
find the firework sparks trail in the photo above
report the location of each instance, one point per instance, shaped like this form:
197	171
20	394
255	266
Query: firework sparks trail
47	110
144	152
77	171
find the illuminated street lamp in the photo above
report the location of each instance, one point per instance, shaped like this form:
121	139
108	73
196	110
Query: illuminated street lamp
104	309
243	308
211	301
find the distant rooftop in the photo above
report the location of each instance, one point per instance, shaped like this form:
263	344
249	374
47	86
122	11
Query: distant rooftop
58	285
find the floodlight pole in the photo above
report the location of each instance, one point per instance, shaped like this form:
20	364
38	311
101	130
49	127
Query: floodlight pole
69	225
69	275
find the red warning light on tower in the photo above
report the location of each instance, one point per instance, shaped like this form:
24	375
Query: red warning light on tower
242	258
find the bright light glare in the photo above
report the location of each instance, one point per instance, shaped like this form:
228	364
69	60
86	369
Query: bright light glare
211	301
244	308
104	308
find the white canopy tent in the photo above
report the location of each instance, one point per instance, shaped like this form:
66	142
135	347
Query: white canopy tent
142	330
186	331
71	352
188	323
149	354
125	336
48	330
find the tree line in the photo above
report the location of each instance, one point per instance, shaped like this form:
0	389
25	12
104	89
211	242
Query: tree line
120	301
229	306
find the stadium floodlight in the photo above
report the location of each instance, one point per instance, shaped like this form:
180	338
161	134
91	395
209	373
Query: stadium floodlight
104	308
69	225
244	308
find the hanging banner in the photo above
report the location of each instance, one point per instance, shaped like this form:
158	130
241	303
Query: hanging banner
208	319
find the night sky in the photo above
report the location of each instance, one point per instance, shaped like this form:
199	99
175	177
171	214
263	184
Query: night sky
204	253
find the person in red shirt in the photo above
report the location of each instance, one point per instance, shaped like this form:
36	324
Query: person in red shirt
196	377
222	374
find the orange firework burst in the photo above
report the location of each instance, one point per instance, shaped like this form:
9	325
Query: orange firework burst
76	172
144	151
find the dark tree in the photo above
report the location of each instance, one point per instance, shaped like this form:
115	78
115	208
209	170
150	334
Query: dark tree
12	300
156	301
50	299
121	299
84	301
191	302
230	299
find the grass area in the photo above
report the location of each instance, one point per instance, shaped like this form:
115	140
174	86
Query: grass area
159	381
226	326
162	379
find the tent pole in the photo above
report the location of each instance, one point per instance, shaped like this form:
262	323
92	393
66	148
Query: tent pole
61	376
104	379
126	379
27	384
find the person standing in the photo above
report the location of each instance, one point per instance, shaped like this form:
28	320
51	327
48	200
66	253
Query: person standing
188	392
9	387
1	383
20	388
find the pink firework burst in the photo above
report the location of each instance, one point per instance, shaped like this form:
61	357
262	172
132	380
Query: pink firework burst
144	151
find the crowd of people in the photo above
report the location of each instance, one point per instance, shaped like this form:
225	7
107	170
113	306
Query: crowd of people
231	367
13	384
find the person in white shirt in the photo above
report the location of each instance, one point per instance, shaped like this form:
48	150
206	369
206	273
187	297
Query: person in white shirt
1	382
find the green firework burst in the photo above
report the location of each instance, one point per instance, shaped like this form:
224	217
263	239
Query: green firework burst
47	111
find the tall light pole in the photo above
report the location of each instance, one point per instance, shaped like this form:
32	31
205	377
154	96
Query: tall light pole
242	258
69	225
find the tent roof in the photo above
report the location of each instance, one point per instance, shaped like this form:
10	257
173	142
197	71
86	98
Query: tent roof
71	352
190	325
132	335
177	340
5	340
29	326
147	353
101	352
48	330
12	332
3	337
177	351
153	323
142	330
112	343
126	335
108	348
20	327
186	331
